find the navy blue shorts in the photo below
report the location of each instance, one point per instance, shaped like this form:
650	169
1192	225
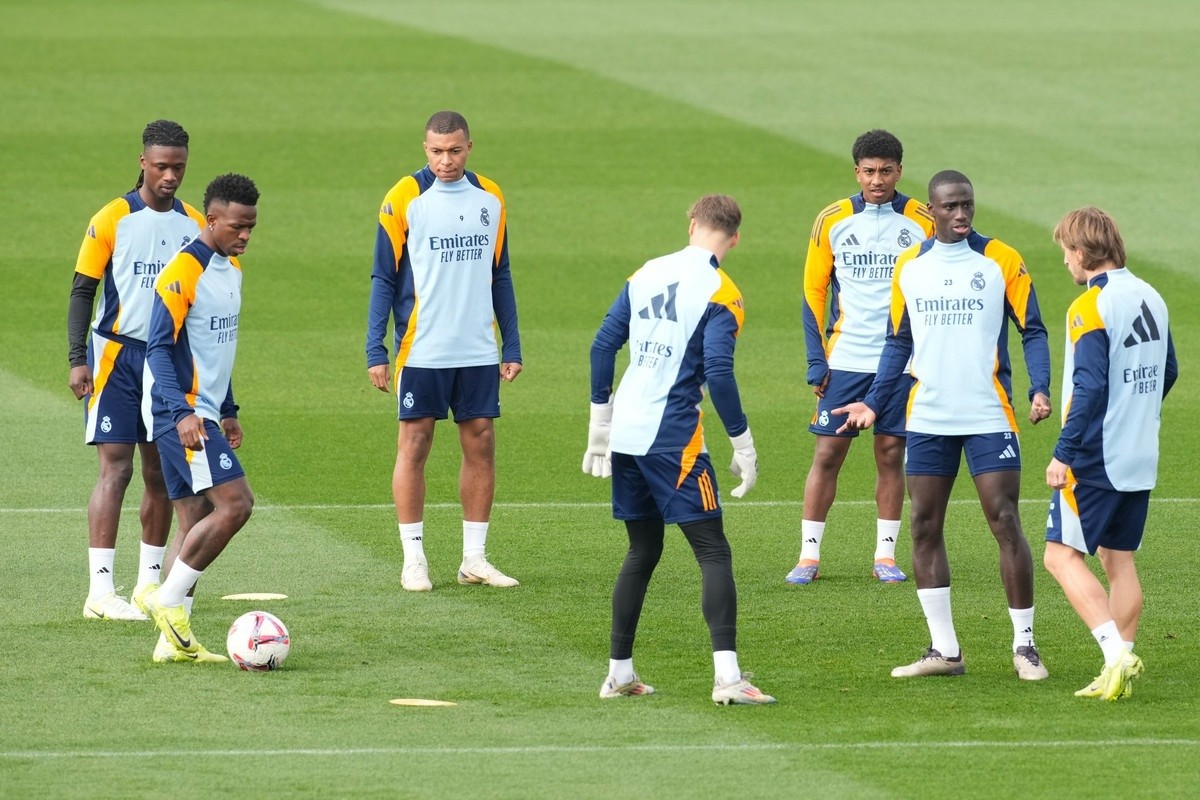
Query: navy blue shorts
113	411
929	454
674	487
470	392
190	472
845	388
1088	517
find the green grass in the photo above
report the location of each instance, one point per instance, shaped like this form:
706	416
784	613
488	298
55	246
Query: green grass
601	130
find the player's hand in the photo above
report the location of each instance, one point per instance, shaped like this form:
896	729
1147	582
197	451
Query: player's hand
818	379
597	461
1056	474
509	371
80	381
233	432
381	377
859	417
744	464
1039	408
191	432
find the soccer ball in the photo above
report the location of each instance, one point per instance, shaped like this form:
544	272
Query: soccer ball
258	641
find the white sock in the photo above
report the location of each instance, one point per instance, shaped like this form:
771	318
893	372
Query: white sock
1129	645
474	541
150	564
1110	641
188	600
725	666
887	531
811	534
179	582
620	670
412	535
100	566
936	605
1022	620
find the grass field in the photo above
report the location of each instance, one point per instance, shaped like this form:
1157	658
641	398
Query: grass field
602	122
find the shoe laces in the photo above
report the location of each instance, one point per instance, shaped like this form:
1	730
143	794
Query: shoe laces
1030	654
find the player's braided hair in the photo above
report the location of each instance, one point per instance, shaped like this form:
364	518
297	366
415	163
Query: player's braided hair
161	133
231	188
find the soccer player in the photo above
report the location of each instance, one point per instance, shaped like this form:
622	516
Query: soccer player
950	297
681	315
441	269
190	354
1119	365
126	245
852	253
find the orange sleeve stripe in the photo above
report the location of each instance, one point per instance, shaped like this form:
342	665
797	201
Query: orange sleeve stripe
918	213
1083	316
176	287
492	188
897	310
100	241
818	263
1017	282
393	214
728	295
196	216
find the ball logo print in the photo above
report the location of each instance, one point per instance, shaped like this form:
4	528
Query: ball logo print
106	424
258	642
408	400
226	461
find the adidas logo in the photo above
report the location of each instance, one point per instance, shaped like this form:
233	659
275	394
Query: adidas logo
1027	630
1144	329
103	571
888	539
851	241
1008	452
174	286
662	306
810	541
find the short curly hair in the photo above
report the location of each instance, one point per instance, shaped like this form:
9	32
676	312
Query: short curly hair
231	188
878	144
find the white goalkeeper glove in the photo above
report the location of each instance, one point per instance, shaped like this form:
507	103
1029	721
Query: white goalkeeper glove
745	463
597	461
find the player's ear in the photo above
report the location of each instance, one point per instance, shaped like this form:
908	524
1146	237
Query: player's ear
737	237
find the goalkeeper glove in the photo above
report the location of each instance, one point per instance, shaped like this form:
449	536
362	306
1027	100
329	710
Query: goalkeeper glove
597	461
745	463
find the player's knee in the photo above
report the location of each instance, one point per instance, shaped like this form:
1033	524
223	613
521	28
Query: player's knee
237	507
1053	559
116	473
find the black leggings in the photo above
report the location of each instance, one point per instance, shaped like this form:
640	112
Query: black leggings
718	593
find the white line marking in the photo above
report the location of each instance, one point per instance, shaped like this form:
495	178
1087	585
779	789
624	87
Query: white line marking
577	749
552	504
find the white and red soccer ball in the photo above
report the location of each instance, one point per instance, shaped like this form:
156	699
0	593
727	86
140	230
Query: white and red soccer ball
258	641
